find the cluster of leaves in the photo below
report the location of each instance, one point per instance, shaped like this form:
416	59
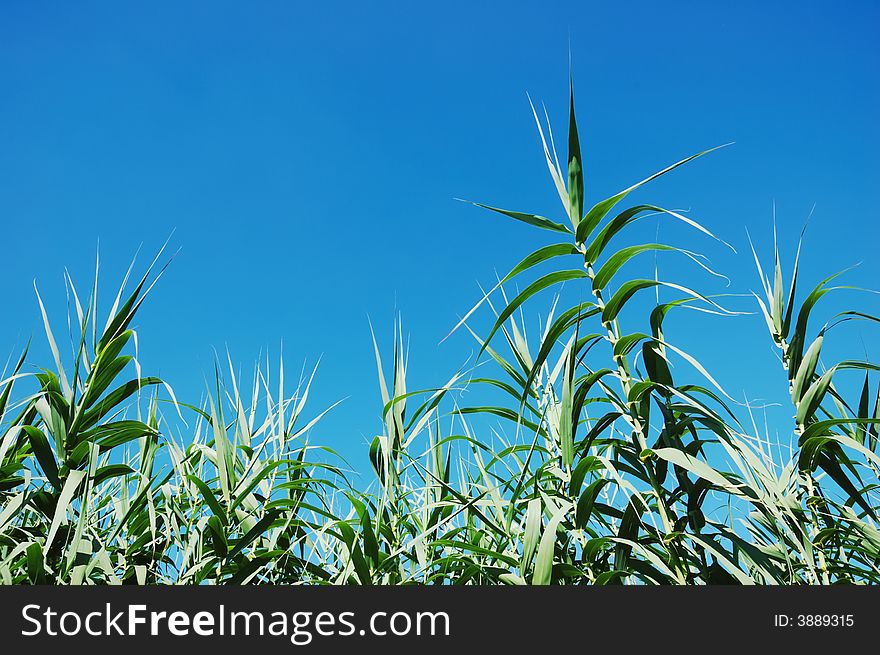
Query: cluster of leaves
93	490
597	466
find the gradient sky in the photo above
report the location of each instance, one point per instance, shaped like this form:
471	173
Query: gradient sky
307	157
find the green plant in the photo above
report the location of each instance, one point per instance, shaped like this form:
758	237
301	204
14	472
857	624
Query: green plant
601	452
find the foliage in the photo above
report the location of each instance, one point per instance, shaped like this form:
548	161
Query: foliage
594	465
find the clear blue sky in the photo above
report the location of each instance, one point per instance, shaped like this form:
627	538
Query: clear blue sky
308	154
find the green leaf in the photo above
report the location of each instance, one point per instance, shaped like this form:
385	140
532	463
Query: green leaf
537	257
804	373
532	531
621	257
601	209
584	466
575	166
697	467
111	471
361	567
113	399
218	537
112	435
567	422
35	565
655	363
210	498
538	285
543	573
251	535
563	323
68	492
531	219
586	502
43	452
626	291
811	400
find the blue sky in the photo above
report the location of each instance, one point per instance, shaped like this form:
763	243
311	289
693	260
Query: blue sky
306	157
